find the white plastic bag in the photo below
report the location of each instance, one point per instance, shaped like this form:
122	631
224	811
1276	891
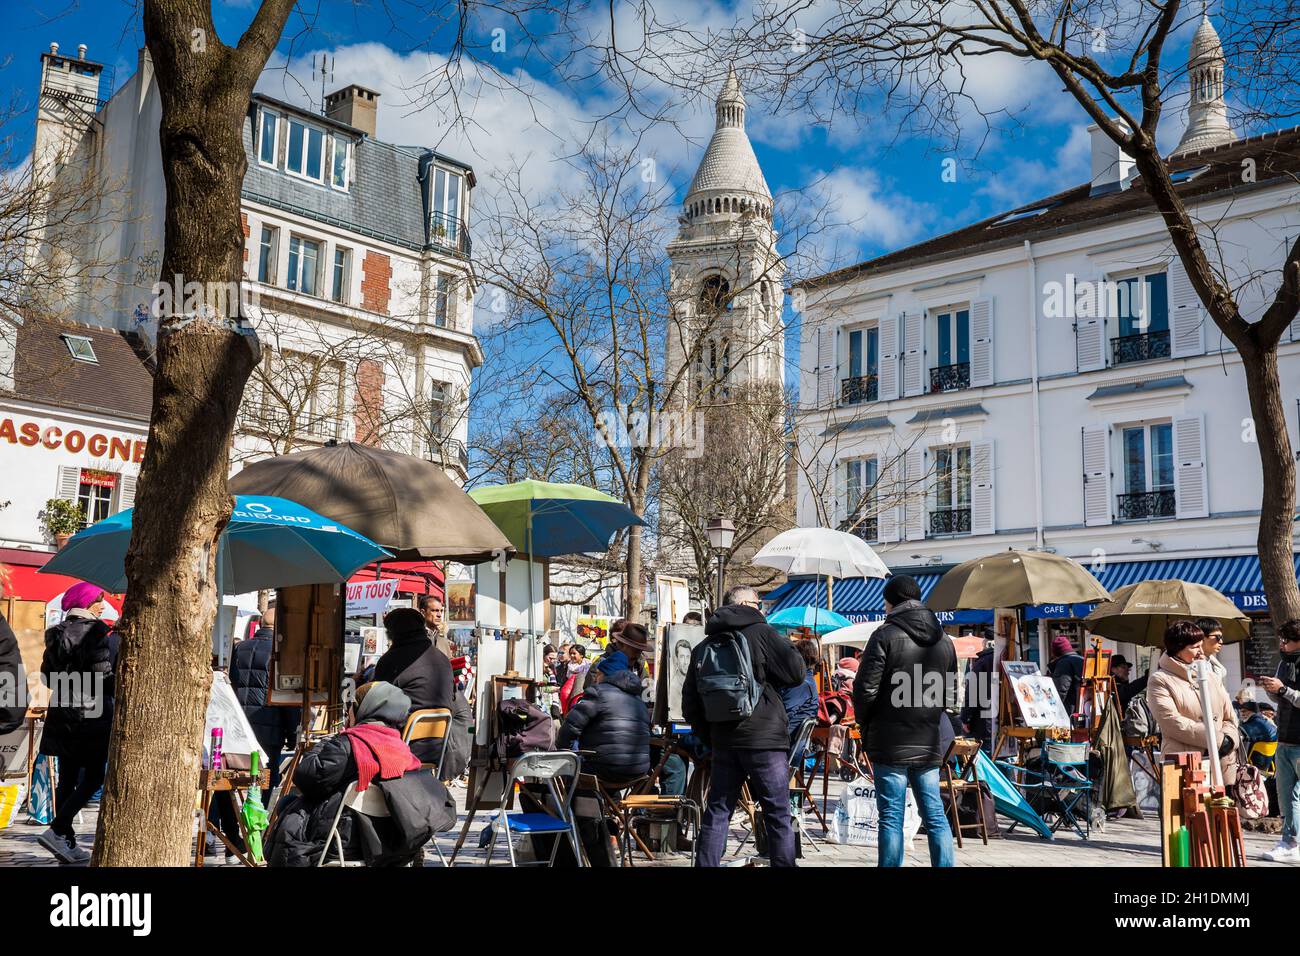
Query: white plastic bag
857	819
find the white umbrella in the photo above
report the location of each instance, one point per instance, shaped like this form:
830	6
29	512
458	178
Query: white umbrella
855	635
823	552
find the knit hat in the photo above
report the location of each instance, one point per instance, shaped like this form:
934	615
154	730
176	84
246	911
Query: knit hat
382	702
611	664
1061	645
81	595
404	620
902	587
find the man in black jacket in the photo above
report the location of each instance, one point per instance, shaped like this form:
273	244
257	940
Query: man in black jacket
977	714
613	721
276	728
906	680
422	672
13	681
1285	686
753	749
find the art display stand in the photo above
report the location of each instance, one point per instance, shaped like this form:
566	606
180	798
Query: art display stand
237	784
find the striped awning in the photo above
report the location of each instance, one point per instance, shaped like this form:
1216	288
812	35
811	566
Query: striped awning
863	599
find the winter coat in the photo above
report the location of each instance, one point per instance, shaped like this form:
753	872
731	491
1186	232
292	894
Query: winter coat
906	680
1175	702
800	703
423	673
977	711
1288	699
612	720
78	730
458	747
13	680
418	803
1067	674
777	666
276	728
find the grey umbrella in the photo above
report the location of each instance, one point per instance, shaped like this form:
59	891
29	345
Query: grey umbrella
406	504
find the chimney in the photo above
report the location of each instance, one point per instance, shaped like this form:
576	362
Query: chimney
356	106
69	99
1110	165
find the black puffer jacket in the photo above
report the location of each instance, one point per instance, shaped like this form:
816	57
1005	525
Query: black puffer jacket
250	676
420	806
612	720
12	680
778	666
906	679
1067	674
423	673
85	647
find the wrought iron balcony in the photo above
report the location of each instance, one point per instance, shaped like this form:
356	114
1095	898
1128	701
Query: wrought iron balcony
449	232
865	529
950	378
450	453
1144	505
950	521
858	389
1139	348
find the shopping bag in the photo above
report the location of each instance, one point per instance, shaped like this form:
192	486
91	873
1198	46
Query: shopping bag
40	805
11	797
857	818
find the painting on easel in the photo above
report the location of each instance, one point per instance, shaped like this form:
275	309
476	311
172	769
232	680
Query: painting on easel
1035	695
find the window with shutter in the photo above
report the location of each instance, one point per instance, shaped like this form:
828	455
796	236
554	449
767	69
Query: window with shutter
69	483
126	492
1190	491
981	488
1186	317
1089	325
914	497
981	330
826	367
890	511
1096	476
913	353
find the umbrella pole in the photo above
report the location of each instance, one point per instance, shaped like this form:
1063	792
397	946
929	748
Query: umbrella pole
830	601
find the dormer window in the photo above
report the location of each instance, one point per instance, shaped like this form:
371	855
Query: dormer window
80	348
306	156
268	138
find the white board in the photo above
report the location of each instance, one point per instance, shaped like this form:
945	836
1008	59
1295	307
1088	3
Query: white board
225	712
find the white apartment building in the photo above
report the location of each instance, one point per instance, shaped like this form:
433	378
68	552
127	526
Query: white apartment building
1048	379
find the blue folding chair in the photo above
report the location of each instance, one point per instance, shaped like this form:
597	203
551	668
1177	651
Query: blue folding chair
1061	788
550	769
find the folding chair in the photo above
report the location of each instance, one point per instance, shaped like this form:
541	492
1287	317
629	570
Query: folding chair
798	790
549	769
963	753
1059	788
1266	749
431	723
369	802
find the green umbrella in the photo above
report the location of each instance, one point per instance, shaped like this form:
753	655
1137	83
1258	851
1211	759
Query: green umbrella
254	813
1139	613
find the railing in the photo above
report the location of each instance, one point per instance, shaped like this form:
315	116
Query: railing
1143	505
449	232
276	418
950	521
865	529
859	389
1139	348
449	452
950	378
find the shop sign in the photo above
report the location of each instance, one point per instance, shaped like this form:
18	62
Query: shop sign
370	597
76	441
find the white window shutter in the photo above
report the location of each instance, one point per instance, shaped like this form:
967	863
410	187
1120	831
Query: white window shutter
887	383
826	367
889	487
1190	492
1096	476
69	482
1089	325
1186	317
981	488
913	353
125	492
981	344
915	500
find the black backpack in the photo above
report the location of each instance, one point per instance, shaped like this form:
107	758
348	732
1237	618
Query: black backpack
728	678
522	727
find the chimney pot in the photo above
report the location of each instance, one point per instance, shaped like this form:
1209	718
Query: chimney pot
356	106
54	48
81	51
1111	166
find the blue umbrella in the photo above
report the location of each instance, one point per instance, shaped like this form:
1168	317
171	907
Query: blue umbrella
818	619
268	543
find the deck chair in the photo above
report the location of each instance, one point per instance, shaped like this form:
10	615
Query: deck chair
1061	788
431	723
550	769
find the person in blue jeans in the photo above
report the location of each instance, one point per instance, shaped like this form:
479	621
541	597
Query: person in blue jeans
1285	686
906	680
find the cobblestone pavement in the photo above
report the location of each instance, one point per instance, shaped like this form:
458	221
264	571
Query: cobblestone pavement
1123	842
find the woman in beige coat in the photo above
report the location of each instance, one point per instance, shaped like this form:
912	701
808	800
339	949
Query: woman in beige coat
1175	701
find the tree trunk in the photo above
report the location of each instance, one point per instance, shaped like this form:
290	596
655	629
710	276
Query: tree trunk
1277	467
164	664
640	490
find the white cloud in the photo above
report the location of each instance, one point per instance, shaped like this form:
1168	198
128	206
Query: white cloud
864	214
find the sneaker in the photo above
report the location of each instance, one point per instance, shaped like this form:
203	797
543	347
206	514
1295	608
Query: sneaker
64	848
1283	853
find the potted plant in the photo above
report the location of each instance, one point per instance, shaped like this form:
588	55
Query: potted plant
61	519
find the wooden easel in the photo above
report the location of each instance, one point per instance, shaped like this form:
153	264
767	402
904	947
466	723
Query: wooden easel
1008	725
1099	685
236	783
1188	798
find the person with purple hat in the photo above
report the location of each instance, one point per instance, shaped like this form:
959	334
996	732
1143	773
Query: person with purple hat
1066	671
80	656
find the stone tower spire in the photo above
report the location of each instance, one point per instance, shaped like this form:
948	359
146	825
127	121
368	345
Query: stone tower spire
1207	113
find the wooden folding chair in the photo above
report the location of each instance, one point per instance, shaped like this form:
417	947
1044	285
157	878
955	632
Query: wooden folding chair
431	723
963	752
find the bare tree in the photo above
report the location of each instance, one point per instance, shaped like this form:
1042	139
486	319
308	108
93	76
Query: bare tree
862	56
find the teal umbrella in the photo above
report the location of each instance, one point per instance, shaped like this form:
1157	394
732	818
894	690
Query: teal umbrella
817	619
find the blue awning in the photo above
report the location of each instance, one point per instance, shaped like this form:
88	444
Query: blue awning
863	599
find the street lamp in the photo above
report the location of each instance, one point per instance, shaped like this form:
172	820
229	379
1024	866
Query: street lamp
721	533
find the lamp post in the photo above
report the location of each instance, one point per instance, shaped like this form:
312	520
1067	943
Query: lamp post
721	533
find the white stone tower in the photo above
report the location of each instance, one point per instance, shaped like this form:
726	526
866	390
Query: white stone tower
1207	113
726	275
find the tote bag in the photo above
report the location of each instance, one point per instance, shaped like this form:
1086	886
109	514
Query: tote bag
857	818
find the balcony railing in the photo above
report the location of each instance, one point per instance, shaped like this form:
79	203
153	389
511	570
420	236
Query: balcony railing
276	419
950	521
865	529
950	378
1139	348
450	453
858	389
1144	505
449	232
